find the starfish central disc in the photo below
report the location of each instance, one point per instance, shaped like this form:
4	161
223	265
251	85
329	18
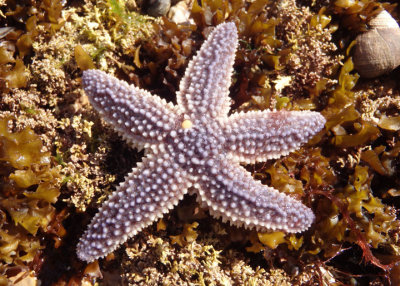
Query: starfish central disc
195	146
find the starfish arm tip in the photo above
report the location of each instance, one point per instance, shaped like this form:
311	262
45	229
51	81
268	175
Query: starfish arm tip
204	90
231	193
261	135
141	199
133	112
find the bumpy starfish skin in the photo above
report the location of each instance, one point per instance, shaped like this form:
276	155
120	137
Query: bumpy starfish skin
195	145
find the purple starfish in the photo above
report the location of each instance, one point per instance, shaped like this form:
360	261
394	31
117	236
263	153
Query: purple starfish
195	146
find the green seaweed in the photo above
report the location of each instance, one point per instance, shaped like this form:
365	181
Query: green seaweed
29	186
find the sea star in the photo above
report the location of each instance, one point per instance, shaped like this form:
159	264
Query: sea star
195	145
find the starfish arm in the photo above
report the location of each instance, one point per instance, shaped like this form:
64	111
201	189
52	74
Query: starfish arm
257	136
151	190
204	90
230	192
134	113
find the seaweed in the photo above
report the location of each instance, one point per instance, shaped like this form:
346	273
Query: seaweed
29	187
46	14
349	210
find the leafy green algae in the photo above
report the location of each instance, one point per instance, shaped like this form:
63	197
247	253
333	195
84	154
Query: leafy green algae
29	186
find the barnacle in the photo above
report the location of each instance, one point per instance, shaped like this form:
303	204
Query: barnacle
28	188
